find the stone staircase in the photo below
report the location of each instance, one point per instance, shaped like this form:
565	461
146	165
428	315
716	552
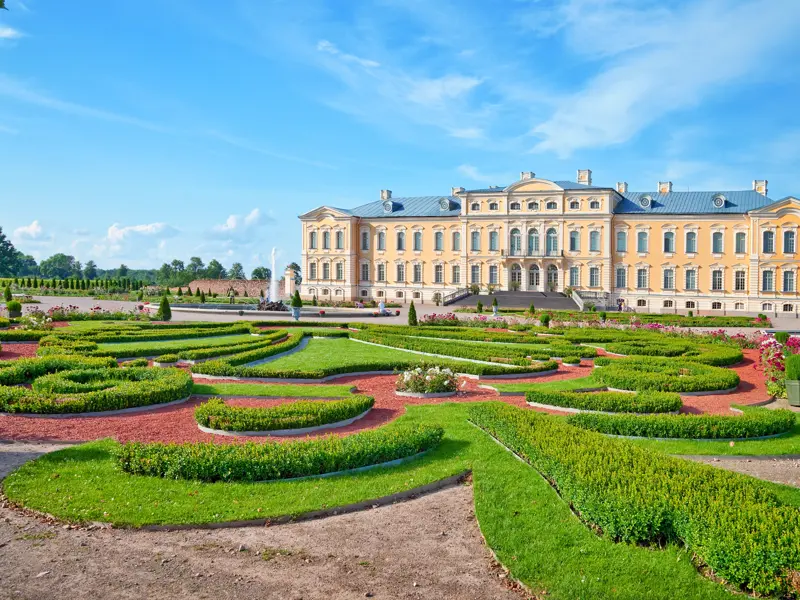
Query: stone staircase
543	300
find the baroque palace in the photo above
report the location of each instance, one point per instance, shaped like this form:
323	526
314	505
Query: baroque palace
656	251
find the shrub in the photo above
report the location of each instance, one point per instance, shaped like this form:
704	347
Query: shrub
14	306
412	315
762	317
136	362
314	300
571	360
603	316
164	311
4	322
296	301
736	525
215	414
167	358
7	294
270	461
15	372
665	374
755	422
792	366
427	380
782	336
640	402
494	301
532	309
479	307
544	320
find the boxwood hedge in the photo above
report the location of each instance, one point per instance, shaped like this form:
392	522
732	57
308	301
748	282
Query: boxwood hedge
215	414
623	402
663	374
735	524
95	390
23	370
270	461
755	422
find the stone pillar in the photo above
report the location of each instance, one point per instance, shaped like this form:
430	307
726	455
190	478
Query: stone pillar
289	284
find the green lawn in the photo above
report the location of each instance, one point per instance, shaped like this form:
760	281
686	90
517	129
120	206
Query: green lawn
564	385
523	519
279	390
180	344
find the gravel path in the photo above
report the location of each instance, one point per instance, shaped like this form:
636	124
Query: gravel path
777	469
15	351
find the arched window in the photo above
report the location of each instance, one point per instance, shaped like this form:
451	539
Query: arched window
622	241
514	206
533	277
669	242
326	240
339	240
741	242
326	292
381	240
326	271
690	304
594	205
494	238
438	241
516	274
768	245
533	206
788	242
668	304
641	241
716	306
788	308
641	302
767	306
552	242
475	240
574	205
533	241
767	281
574	241
494	206
312	240
365	240
401	240
738	306
551	205
594	241
475	206
417	240
691	242
552	278
456	241
716	242
516	242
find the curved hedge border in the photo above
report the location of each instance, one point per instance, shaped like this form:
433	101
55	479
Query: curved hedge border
271	461
665	374
97	390
622	402
736	524
755	422
215	414
23	370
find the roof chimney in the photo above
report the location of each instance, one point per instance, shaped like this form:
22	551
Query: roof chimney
526	175
622	187
760	186
386	194
664	187
456	190
585	176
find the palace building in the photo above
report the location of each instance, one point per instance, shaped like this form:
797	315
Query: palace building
652	251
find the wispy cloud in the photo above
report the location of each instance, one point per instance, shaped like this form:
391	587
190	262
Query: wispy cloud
30	232
9	33
236	224
474	174
124	240
251	146
330	48
9	130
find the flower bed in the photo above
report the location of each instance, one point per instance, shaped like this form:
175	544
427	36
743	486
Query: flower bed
215	414
663	374
623	402
96	390
735	524
430	380
263	462
755	422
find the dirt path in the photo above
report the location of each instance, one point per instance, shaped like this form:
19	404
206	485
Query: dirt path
778	470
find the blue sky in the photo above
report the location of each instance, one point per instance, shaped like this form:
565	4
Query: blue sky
139	133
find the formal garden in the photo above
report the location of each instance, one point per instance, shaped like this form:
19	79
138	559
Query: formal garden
571	435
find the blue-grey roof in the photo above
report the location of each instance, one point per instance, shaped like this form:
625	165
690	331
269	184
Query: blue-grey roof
419	206
688	203
566	185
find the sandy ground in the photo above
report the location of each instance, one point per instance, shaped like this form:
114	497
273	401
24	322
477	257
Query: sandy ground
425	548
779	470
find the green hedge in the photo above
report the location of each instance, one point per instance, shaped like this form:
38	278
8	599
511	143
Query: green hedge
456	333
623	402
4	322
735	524
215	414
95	390
259	342
663	374
302	323
136	362
755	422
22	335
23	370
167	358
664	348
270	461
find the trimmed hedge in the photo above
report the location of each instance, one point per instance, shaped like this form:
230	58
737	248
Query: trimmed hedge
215	414
4	322
95	390
136	362
211	351
270	461
622	402
456	333
23	370
22	335
664	374
755	422
735	524
167	358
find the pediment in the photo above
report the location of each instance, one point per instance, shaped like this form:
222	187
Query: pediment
786	206
324	212
534	185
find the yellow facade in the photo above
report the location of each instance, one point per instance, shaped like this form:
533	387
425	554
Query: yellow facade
731	251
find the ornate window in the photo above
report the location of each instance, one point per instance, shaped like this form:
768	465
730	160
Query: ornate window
514	206
669	242
475	274
690	304
574	241
552	205
401	240
339	240
738	306
382	240
475	241
668	304
716	242
641	241
381	272
456	241
326	240
417	273
788	242
622	241
475	207
533	241
788	308
534	277
438	273
516	242
494	206
438	241
594	276
641	303
594	205
365	240
767	281
493	278
739	281
641	279
594	241
574	276
788	281
339	271
493	240
417	240
401	273
312	271
716	306
741	242
533	206
767	306
768	242
716	280
691	279
552	242
669	279
574	205
691	242
312	240
364	271
456	274
622	277
326	271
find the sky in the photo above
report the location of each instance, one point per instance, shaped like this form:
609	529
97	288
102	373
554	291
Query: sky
141	132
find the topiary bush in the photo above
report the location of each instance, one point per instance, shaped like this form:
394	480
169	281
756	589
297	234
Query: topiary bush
792	367
167	358
7	296
544	320
412	315
782	336
164	311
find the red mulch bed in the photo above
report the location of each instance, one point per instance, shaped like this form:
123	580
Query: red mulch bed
177	424
15	351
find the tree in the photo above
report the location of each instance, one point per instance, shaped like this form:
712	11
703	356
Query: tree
165	274
26	264
123	270
164	311
262	273
412	315
215	270
178	266
296	268
195	266
3	4
237	271
7	294
90	270
8	256
59	265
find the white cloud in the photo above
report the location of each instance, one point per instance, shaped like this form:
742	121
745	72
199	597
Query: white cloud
675	60
467	133
29	232
9	33
474	174
132	240
330	48
259	149
236	225
436	91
